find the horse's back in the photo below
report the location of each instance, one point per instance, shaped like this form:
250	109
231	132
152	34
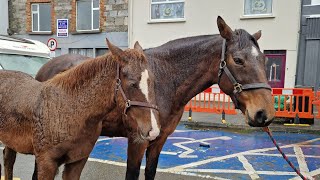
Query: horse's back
58	65
15	85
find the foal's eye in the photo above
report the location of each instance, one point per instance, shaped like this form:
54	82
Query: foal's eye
238	61
134	85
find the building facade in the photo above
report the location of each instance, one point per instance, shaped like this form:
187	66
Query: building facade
308	70
154	22
89	23
4	19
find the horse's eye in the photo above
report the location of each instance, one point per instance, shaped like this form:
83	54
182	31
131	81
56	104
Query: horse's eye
238	61
134	85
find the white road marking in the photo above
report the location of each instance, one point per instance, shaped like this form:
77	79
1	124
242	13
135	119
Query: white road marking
189	150
279	155
228	171
195	164
313	173
158	169
108	138
301	161
248	167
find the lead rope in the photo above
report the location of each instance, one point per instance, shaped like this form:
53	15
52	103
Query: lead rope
267	130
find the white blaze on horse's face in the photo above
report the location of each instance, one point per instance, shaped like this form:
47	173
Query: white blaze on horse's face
155	131
254	51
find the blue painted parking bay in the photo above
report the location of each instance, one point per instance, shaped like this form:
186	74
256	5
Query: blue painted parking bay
230	155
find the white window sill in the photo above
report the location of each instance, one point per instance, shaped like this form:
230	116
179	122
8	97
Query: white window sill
40	32
95	31
153	21
311	5
257	16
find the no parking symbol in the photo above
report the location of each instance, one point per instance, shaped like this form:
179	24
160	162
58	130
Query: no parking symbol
52	44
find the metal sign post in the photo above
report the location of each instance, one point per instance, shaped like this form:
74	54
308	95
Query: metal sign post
52	45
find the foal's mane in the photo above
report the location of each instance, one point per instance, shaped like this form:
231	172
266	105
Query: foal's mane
84	72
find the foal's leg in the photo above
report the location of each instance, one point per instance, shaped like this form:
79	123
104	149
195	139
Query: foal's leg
9	158
35	171
47	168
135	155
73	170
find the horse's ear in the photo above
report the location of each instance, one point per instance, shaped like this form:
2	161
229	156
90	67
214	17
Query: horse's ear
138	47
115	50
225	30
257	35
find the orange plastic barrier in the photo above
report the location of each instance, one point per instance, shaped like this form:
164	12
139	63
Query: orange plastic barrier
293	102
288	102
316	102
212	100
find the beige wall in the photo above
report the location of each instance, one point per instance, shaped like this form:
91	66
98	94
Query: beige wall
278	33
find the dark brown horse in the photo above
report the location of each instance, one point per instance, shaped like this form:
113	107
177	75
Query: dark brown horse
59	64
186	67
60	120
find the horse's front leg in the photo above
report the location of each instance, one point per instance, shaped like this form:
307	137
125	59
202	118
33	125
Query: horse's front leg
9	158
135	155
47	168
152	156
73	170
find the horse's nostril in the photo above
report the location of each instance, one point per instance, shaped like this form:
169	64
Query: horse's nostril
261	116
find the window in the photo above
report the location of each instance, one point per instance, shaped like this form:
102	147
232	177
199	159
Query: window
88	15
101	51
257	7
41	17
82	51
315	2
167	10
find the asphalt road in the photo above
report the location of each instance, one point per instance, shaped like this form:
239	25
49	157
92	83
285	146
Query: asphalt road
93	171
188	154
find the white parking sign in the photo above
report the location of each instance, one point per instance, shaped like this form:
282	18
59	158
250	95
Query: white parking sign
52	44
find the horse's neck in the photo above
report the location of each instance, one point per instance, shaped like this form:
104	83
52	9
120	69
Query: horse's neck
183	74
93	92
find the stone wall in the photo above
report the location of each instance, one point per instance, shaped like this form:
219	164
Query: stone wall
17	16
117	15
113	15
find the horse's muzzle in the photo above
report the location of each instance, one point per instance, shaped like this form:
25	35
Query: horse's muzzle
260	119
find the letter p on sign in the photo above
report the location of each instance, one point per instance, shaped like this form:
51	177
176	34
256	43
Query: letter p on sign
52	44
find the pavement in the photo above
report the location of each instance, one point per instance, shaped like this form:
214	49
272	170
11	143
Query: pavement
210	120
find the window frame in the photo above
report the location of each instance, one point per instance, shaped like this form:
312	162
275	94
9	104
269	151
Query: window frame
38	14
254	16
167	20
92	9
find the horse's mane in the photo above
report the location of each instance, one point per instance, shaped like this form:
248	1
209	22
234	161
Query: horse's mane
245	38
84	72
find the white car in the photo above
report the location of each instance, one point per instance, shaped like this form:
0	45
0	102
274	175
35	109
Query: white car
22	54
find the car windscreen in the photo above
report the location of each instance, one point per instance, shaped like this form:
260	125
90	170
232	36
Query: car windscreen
26	64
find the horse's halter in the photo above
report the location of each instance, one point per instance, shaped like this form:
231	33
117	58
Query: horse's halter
238	87
129	103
